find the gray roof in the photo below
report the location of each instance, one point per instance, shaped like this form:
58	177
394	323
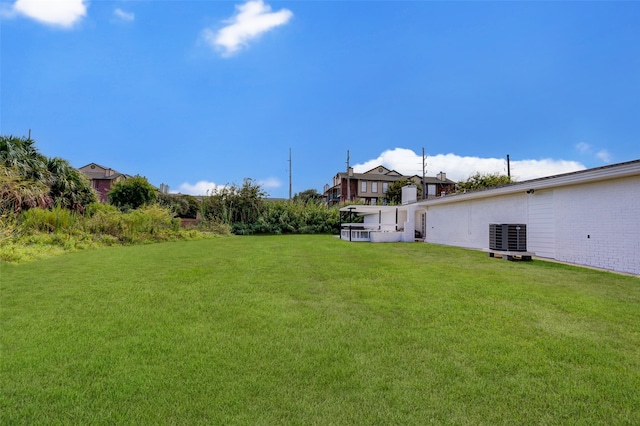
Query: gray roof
393	178
95	175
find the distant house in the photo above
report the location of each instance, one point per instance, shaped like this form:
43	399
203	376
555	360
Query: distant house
371	186
102	178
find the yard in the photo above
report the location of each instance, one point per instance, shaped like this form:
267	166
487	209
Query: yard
314	330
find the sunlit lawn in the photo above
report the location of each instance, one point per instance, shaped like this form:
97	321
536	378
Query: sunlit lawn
314	330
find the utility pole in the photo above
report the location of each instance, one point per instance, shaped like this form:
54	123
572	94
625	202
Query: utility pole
289	174
348	179
424	173
508	167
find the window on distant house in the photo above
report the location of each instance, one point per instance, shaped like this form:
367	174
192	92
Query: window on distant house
431	190
374	186
385	187
363	186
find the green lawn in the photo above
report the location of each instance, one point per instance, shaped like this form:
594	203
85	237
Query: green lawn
314	330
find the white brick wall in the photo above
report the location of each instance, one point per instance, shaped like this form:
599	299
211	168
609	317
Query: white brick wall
466	224
599	224
594	224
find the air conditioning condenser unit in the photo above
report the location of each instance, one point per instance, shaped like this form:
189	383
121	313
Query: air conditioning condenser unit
508	236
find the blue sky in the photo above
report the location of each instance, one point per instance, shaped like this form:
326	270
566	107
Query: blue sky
195	94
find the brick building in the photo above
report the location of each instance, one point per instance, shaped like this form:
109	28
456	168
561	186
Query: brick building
102	179
371	186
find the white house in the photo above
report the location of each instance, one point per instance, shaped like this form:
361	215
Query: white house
590	217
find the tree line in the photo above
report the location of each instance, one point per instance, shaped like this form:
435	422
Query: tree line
30	181
39	194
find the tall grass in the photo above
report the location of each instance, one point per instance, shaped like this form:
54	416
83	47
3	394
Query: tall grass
55	219
38	233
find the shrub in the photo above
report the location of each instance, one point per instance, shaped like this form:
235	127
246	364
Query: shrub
51	220
152	219
132	193
39	233
210	226
184	206
103	219
285	217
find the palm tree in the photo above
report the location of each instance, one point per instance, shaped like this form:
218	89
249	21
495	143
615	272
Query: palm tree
29	179
22	154
68	187
17	193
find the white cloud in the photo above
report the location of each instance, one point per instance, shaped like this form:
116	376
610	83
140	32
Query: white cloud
204	187
586	149
460	168
124	16
604	155
201	188
270	183
252	19
60	13
583	148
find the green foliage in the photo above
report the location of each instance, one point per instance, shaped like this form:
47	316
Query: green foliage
28	179
68	187
185	206
213	227
132	193
144	223
284	217
21	154
307	196
234	204
246	212
152	219
394	191
193	207
479	181
38	233
18	193
56	219
96	208
173	202
104	219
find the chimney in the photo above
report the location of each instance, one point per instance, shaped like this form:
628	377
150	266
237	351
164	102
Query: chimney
441	176
409	194
350	171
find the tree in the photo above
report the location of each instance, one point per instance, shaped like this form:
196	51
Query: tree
232	204
21	154
132	193
186	206
29	179
68	187
309	195
194	206
479	181
18	193
394	191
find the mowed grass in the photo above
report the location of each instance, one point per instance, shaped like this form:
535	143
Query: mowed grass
314	330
